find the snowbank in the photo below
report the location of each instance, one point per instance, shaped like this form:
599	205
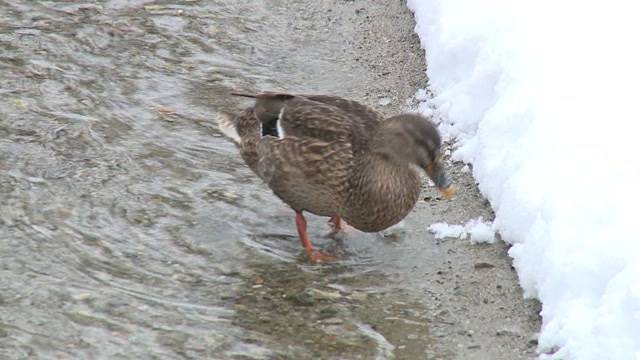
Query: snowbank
542	97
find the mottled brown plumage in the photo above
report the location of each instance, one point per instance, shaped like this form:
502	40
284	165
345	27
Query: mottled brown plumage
336	157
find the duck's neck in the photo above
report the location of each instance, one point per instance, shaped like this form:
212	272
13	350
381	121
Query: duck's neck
382	193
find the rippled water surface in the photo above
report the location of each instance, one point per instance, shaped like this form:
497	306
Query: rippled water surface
129	228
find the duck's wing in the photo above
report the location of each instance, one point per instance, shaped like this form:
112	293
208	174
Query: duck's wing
366	114
302	117
321	117
364	119
307	173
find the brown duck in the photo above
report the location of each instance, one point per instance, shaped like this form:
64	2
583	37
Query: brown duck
338	158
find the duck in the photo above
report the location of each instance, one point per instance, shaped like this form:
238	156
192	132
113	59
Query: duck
337	158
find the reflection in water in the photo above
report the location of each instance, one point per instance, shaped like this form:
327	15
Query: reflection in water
129	229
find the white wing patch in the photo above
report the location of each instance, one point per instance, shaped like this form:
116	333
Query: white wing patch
279	128
227	127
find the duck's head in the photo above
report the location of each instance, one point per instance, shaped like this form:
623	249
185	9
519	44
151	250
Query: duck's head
414	140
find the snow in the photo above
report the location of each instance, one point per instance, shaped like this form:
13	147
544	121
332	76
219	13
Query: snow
477	230
541	99
443	230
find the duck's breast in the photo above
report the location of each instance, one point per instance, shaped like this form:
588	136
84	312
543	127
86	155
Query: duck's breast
382	198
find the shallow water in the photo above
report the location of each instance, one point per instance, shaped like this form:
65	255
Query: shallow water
130	229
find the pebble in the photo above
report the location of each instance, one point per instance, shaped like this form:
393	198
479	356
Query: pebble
327	312
35	180
82	296
332	321
341	288
358	296
384	101
483	265
32	32
506	332
301	299
324	295
439	334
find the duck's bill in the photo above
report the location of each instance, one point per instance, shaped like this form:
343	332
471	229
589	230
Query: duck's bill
448	192
439	176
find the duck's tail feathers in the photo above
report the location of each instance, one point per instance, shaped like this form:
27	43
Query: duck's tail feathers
227	127
235	93
263	95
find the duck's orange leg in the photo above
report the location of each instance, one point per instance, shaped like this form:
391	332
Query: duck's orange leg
315	256
337	224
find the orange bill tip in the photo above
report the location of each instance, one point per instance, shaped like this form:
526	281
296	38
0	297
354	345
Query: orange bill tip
448	192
